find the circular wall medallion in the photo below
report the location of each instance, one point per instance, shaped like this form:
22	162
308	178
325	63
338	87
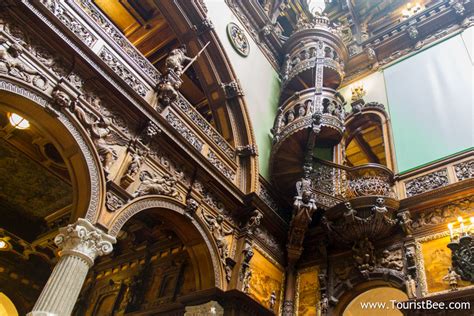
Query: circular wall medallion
238	39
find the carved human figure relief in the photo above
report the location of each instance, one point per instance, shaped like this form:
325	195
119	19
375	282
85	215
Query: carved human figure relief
219	232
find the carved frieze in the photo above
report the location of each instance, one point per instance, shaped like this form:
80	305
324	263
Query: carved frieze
428	182
122	71
443	214
71	22
157	184
267	198
118	38
268	240
13	65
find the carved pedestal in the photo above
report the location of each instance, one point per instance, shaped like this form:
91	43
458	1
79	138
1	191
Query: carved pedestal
80	244
210	308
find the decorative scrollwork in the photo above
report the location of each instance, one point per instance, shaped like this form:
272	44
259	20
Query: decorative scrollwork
428	182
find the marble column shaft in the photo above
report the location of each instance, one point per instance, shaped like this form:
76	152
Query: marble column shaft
80	243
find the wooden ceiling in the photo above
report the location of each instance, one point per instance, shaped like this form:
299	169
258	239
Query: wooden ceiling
146	28
366	146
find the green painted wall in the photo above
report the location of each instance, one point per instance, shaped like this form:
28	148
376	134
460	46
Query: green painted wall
431	104
258	79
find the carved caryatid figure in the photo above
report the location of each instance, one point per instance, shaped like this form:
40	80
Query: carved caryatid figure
405	221
176	60
272	300
349	213
134	165
161	185
216	226
102	136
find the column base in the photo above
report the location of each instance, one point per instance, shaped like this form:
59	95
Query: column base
36	313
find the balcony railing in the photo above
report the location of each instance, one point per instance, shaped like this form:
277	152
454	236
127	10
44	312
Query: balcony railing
297	112
344	183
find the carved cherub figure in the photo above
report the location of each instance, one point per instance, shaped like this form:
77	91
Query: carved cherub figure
162	185
391	261
216	226
176	60
12	64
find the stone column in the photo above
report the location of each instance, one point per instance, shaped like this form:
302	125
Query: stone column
80	243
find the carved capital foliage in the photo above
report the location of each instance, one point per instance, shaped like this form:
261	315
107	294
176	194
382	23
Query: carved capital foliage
84	240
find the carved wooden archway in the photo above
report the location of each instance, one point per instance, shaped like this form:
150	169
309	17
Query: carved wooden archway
189	21
79	154
203	252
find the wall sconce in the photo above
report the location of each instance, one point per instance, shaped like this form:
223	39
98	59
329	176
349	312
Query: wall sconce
462	248
410	10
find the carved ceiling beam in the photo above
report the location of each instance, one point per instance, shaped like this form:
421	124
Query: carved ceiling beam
366	149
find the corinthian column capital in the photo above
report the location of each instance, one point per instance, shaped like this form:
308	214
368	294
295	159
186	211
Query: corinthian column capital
84	240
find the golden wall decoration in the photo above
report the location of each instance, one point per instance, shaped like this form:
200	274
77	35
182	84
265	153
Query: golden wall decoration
436	261
266	278
307	300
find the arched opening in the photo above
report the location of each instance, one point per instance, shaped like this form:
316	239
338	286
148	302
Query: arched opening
45	185
377	301
367	139
7	307
160	257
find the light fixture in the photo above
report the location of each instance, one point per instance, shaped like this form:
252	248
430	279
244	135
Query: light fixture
411	10
18	121
461	245
4	245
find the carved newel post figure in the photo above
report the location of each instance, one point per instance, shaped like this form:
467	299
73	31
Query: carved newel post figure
79	243
411	286
272	301
452	277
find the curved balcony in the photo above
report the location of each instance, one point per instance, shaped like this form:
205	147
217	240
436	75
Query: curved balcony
297	113
314	43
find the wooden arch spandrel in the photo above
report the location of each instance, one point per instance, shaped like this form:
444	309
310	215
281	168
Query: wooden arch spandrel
203	254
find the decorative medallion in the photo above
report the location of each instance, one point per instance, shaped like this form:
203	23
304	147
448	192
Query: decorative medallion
238	39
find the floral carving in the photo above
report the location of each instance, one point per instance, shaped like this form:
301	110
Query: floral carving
72	23
464	170
428	182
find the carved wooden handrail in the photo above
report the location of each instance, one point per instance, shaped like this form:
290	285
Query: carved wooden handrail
348	182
